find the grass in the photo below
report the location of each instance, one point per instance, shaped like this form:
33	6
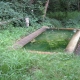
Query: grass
71	20
23	65
61	15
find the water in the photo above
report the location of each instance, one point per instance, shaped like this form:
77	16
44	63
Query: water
52	40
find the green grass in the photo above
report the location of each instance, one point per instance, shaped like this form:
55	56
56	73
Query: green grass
61	15
22	65
72	19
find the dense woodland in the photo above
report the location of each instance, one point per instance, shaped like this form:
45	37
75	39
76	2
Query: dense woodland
39	11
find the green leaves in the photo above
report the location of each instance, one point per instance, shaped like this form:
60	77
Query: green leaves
6	12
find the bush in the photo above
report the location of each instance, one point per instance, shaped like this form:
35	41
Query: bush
6	12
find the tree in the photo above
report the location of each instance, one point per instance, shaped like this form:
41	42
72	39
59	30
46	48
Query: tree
78	5
45	10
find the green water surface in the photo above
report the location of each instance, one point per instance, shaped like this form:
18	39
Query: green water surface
51	40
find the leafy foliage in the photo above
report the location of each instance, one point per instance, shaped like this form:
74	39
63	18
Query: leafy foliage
34	9
20	10
6	12
21	64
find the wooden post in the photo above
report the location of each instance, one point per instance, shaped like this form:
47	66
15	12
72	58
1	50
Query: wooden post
27	22
73	42
27	39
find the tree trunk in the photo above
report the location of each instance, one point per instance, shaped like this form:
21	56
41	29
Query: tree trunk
73	42
29	38
45	10
78	5
68	6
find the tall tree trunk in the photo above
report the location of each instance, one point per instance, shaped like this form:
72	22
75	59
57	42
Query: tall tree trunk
78	5
45	10
68	6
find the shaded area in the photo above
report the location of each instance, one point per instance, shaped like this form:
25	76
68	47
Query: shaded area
77	50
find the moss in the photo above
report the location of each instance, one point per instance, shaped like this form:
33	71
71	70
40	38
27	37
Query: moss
53	43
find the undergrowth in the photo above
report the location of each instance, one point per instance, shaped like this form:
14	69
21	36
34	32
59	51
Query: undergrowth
22	65
71	20
61	15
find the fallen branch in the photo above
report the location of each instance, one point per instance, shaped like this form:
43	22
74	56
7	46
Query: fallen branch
40	52
4	22
70	29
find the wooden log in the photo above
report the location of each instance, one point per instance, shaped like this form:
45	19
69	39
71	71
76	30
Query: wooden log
73	42
77	50
4	22
70	29
27	39
9	21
